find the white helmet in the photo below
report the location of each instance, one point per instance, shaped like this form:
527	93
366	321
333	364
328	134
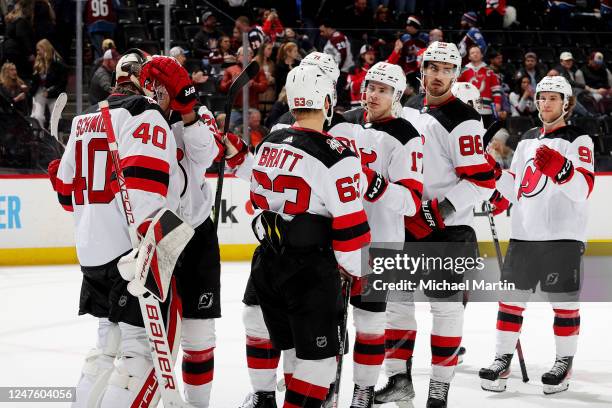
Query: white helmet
307	88
554	84
439	51
325	62
129	67
468	94
392	75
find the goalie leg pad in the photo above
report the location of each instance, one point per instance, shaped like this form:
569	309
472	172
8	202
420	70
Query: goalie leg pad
159	250
98	366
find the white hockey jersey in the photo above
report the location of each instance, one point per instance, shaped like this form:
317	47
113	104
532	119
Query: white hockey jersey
197	148
454	166
299	171
543	210
394	149
87	186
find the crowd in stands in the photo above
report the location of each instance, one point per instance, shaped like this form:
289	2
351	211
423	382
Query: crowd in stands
507	46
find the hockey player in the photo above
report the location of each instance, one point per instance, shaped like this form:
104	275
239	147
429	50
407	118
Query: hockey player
549	183
198	273
456	176
391	152
313	224
86	186
262	357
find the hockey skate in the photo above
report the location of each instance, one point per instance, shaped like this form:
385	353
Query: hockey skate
260	399
557	379
438	394
363	397
496	376
398	389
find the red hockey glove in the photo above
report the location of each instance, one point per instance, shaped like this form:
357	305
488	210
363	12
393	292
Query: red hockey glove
499	203
175	79
553	164
428	219
52	170
377	185
497	170
235	150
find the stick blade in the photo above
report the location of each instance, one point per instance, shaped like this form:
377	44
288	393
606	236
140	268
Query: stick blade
245	76
56	114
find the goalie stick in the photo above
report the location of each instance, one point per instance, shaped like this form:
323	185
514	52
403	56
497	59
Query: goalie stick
56	115
241	80
163	352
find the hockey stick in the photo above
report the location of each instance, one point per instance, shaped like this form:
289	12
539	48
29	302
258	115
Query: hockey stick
500	262
491	131
346	289
162	352
241	80
56	115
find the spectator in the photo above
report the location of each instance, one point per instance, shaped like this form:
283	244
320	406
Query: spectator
522	99
14	88
560	14
49	80
494	14
400	6
473	36
357	15
436	35
367	58
412	41
236	40
205	85
44	21
595	77
256	130
506	80
383	19
101	20
279	108
255	33
179	54
531	69
18	46
256	86
567	69
273	27
499	149
222	57
267	98
101	83
207	39
338	46
286	60
484	79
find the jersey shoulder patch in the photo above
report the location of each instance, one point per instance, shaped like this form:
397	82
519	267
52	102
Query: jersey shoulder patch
399	128
320	146
451	114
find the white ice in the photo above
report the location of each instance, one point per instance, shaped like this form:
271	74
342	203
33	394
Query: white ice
43	343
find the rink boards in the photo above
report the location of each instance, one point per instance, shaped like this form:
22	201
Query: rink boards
34	229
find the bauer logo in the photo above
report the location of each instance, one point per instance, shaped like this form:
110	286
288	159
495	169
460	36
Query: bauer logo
10	209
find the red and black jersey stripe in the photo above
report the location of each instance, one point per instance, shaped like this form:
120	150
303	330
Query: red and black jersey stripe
481	175
303	394
350	232
198	366
261	354
369	349
399	344
444	350
64	194
589	177
146	174
567	322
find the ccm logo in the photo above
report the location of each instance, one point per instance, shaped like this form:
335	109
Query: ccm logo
158	341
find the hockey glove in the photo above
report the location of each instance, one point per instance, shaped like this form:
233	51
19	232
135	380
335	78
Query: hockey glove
52	170
175	79
428	219
499	203
553	164
235	150
497	170
377	185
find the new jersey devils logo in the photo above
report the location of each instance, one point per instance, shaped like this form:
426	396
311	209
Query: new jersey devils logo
532	182
367	157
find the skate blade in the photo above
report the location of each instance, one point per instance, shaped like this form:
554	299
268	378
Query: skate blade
498	385
554	389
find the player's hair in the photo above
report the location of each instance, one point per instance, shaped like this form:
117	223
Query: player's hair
304	113
127	88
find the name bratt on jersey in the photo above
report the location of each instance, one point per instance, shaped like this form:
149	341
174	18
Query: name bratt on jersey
276	157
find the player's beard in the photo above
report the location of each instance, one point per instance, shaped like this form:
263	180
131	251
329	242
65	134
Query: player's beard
435	88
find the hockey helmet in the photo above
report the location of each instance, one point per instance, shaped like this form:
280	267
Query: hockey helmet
307	88
392	75
325	62
129	67
440	51
554	84
467	93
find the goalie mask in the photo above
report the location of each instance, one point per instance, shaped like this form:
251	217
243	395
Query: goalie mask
554	84
307	88
468	94
129	67
391	75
